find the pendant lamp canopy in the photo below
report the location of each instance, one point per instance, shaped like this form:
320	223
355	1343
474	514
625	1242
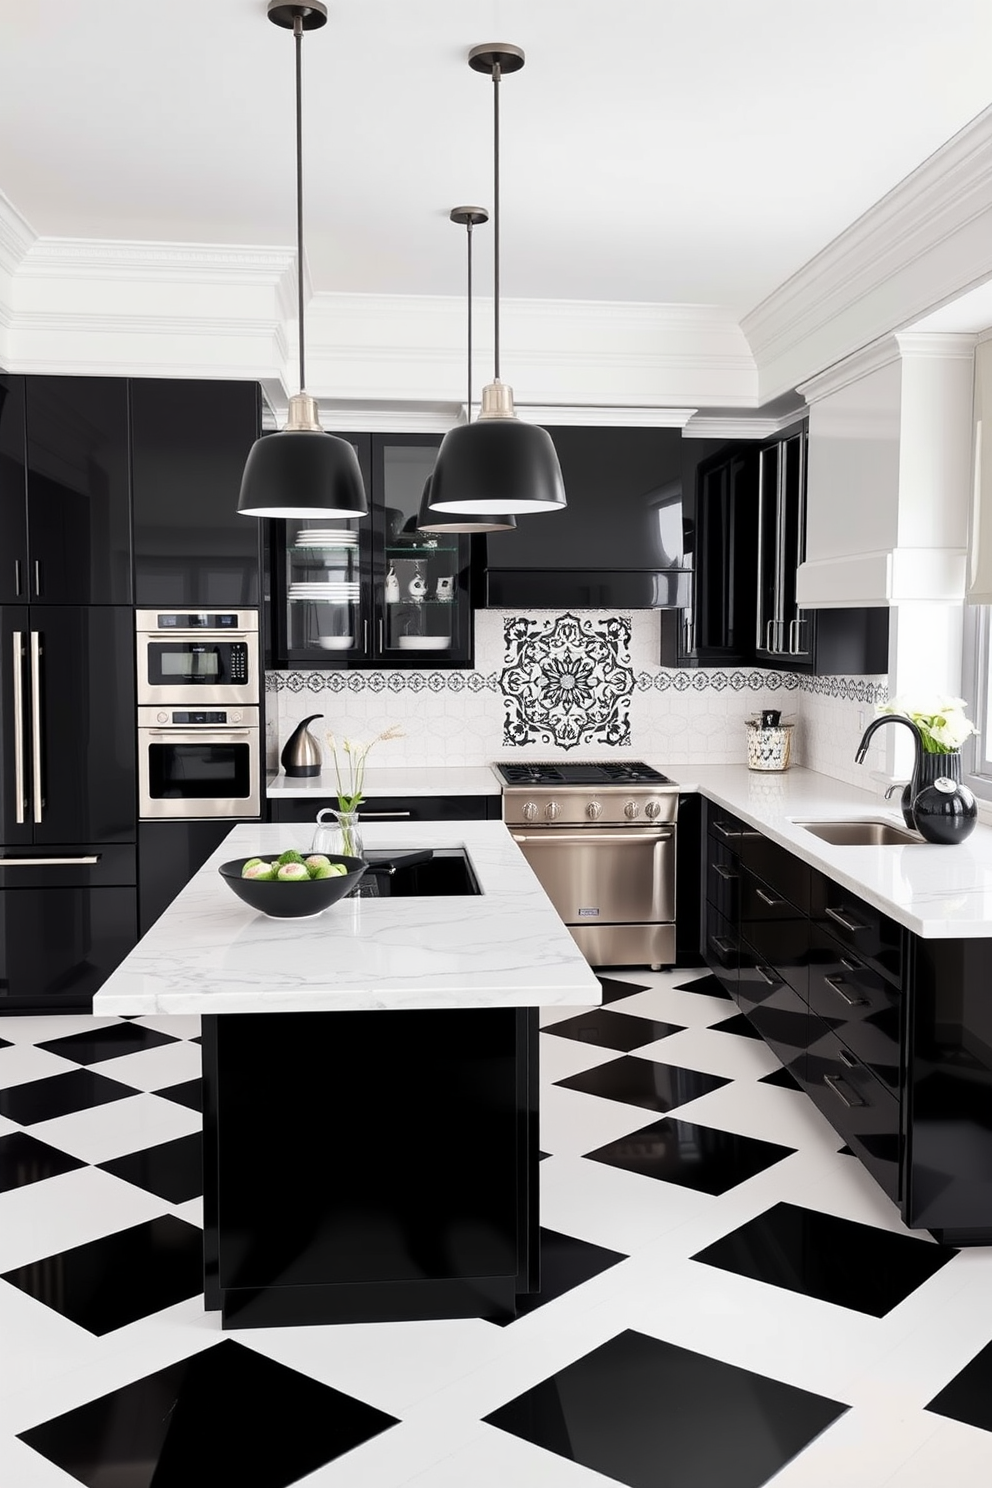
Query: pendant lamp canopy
431	521
301	471
497	465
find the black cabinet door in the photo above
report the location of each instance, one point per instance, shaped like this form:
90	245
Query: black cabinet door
84	736
13	492
79	514
58	945
190	441
15	737
169	853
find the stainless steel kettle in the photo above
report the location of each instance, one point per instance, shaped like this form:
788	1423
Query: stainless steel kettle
301	753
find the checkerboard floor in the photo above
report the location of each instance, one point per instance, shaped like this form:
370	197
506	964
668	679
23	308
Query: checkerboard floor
728	1298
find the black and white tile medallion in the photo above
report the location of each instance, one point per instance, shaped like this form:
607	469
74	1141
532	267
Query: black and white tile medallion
567	680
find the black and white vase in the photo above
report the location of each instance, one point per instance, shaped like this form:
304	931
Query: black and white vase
942	809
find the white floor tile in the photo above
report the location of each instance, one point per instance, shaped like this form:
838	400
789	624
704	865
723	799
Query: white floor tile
23	1062
495	1459
573	1123
717	1053
40	1028
607	1206
561	1057
154	1069
49	1217
954	1456
102	1132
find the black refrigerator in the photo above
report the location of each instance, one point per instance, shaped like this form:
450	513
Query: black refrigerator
67	715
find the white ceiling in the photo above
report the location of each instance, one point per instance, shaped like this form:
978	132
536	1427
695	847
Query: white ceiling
695	151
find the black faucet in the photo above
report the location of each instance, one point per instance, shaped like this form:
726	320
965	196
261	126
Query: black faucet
913	789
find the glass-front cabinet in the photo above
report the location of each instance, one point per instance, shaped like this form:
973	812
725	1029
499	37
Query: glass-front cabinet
375	591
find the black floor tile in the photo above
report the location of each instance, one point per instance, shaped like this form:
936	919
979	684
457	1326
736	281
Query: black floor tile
107	1043
781	1077
173	1170
189	1093
649	1414
23	1160
968	1396
112	1281
226	1415
698	1157
57	1095
708	985
642	1082
542	1155
5	1044
614	990
737	1024
609	1030
844	1151
837	1260
565	1263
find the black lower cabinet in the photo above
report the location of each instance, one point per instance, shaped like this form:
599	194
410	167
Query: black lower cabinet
169	853
64	927
384	809
889	1034
409	1195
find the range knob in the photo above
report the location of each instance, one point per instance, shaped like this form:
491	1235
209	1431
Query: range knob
594	811
630	810
552	811
652	810
529	810
162	717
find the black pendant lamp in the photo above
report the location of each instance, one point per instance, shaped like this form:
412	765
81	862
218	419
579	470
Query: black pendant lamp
301	471
440	522
497	464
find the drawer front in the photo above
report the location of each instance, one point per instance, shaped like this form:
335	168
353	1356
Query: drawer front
858	1004
723	826
387	808
721	950
723	877
775	1010
862	1110
95	865
783	875
861	928
784	946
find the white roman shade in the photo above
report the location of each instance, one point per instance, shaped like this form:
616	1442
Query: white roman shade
980	546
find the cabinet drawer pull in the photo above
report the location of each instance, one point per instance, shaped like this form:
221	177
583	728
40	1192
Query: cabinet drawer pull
724	946
850	965
852	925
723	870
18	675
767	898
848	1059
732	834
834	1083
37	576
836	984
772	981
17	577
49	862
385	815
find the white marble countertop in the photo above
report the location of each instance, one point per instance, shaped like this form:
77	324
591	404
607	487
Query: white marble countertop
211	953
938	892
403	780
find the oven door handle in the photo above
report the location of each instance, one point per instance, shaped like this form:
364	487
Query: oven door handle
217	636
594	837
210	735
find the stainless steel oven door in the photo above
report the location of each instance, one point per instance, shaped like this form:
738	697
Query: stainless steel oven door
598	876
199	772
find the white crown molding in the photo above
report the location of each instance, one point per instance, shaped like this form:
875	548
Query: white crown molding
702	426
926	241
942	345
142	262
16	236
603	416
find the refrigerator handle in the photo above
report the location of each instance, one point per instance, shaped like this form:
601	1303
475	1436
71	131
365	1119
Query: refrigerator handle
39	799
19	797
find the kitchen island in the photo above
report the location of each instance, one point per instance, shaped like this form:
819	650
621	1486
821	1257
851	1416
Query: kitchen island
385	1166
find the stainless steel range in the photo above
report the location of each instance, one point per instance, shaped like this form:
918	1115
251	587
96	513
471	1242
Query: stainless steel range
601	838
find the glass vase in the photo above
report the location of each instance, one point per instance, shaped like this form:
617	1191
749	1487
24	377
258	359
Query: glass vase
341	837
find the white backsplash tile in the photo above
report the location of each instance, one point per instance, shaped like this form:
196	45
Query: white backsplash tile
457	717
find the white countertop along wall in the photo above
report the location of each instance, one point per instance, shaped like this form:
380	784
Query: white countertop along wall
938	892
211	953
402	780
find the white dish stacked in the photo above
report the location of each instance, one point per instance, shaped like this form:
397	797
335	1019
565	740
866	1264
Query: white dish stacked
326	537
333	591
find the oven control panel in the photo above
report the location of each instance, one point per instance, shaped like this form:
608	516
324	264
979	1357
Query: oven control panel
523	805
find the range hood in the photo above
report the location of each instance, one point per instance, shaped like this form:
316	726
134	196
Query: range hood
618	544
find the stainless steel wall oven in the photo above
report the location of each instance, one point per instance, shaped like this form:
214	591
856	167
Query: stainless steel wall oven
199	762
198	658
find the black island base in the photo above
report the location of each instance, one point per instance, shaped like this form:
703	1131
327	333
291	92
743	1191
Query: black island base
369	1166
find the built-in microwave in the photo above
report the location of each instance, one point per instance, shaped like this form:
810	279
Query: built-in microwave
199	762
197	657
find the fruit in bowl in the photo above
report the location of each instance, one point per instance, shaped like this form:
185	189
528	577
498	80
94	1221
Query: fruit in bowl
290	886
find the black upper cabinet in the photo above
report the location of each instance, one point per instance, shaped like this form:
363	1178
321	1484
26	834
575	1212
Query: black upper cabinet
373	591
190	441
65	517
783	631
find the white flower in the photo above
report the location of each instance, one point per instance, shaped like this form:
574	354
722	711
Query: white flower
939	718
951	729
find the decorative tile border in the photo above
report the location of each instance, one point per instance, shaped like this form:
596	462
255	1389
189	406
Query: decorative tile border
850	689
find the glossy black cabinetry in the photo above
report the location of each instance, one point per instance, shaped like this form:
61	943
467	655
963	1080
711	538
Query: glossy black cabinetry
169	853
392	808
374	591
889	1034
65	522
190	440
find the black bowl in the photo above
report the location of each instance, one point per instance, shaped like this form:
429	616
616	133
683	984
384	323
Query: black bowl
291	901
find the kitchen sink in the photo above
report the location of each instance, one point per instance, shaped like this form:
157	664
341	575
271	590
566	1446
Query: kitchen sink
860	833
422	873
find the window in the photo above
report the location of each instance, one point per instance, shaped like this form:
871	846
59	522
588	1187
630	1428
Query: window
976	688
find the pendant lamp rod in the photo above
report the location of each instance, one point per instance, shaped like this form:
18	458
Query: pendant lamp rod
298	39
469	224
496	76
